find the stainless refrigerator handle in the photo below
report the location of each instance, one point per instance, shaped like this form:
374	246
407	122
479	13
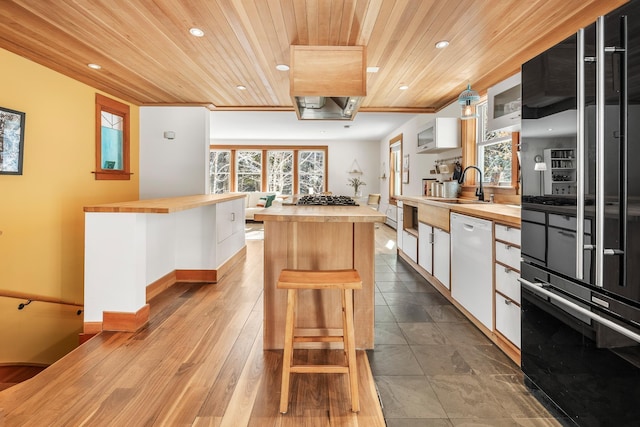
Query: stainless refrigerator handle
580	159
624	127
599	202
538	289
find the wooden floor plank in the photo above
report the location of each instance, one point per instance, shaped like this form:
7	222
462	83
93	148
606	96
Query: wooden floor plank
198	362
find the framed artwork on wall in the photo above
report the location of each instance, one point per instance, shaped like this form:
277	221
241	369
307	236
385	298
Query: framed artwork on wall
11	141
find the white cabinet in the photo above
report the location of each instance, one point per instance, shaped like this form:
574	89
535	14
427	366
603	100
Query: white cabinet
504	102
434	252
410	245
443	133
229	219
560	176
425	247
399	225
471	266
507	271
508	319
441	256
230	223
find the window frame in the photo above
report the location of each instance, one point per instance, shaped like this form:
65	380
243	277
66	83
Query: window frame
105	104
469	154
265	149
393	173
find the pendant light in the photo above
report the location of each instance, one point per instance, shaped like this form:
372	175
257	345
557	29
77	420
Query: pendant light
468	100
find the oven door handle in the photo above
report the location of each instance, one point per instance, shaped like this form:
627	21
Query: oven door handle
538	288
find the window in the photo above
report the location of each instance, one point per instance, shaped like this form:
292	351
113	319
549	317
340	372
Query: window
395	168
285	170
311	172
220	171
494	152
249	170
280	171
112	139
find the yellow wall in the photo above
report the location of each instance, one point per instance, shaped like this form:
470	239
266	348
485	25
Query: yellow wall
41	217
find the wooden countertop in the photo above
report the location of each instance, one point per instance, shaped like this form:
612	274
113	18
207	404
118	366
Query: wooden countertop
320	214
508	214
165	205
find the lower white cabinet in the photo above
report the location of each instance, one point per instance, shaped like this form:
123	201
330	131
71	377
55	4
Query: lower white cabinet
507	272
410	245
508	319
399	225
425	247
230	221
441	256
471	266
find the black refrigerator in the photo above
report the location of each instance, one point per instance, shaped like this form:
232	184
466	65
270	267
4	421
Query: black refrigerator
580	272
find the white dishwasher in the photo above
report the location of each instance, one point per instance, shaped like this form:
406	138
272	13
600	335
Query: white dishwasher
471	266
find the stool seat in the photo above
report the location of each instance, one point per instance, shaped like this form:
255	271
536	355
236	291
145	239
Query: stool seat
319	279
346	281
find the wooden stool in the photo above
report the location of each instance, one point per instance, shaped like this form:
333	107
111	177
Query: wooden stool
346	281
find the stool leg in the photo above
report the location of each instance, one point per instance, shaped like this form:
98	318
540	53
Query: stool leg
351	349
287	357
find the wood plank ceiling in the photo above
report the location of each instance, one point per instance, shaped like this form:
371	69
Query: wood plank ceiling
148	56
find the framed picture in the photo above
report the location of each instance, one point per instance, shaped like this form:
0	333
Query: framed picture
11	141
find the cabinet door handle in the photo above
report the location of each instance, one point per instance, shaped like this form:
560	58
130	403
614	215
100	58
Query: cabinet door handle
508	270
233	216
431	238
507	302
507	247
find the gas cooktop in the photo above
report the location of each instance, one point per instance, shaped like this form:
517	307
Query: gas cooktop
326	200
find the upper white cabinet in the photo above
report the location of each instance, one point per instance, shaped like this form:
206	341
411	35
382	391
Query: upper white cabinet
442	133
504	104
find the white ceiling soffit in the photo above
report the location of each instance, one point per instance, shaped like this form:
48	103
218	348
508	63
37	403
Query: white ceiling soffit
284	126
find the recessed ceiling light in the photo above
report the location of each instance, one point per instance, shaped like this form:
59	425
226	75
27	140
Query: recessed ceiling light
282	67
403	87
196	32
442	44
94	66
373	69
240	87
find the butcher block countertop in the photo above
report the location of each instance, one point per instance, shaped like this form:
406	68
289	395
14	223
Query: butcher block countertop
503	213
165	205
314	213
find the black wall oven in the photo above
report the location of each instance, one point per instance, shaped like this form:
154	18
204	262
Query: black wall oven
581	221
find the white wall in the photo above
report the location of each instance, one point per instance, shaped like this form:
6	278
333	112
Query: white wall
178	167
420	164
342	154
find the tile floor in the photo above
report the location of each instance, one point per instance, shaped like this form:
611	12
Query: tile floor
434	368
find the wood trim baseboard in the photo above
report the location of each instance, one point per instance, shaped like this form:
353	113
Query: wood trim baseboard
196	276
229	263
131	322
92	328
125	322
163	283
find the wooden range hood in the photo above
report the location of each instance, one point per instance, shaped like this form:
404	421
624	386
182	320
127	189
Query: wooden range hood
328	82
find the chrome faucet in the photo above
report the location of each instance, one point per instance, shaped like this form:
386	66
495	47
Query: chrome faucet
479	191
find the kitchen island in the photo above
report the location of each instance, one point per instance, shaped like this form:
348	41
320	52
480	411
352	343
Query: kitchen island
319	238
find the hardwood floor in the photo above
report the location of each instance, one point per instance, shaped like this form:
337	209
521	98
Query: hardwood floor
199	362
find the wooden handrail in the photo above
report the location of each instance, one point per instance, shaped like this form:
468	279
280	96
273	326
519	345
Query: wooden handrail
34	297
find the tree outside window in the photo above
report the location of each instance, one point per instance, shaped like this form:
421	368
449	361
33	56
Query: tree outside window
220	171
249	170
494	151
311	172
280	172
